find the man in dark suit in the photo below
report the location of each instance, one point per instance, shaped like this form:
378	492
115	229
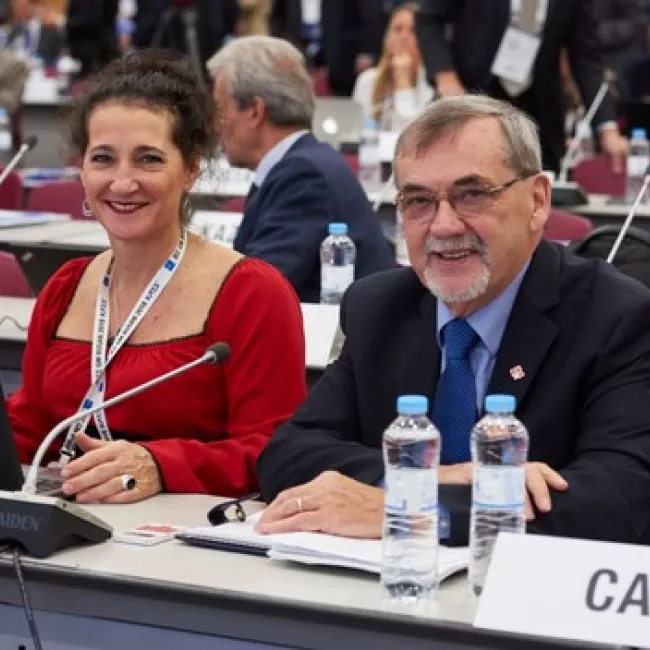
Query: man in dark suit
266	103
569	338
463	62
34	30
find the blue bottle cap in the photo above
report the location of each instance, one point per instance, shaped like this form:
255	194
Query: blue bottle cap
338	229
371	125
412	404
639	134
500	403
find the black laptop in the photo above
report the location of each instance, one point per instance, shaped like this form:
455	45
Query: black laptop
11	471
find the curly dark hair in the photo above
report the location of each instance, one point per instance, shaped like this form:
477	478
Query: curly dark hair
154	79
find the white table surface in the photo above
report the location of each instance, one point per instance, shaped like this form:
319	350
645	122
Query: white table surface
599	205
175	562
320	325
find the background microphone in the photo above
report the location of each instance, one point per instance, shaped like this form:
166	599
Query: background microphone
630	217
30	142
216	353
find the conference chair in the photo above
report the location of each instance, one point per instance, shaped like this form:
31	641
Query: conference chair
61	197
321	82
595	176
13	282
11	192
566	227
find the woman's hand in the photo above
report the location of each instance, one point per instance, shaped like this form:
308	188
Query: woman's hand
401	65
96	477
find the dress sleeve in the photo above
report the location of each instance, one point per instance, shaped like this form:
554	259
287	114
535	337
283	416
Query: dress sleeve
259	316
29	416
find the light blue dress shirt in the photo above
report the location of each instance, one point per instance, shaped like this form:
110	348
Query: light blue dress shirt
489	323
275	155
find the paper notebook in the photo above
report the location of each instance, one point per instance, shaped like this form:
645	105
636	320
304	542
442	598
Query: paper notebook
310	548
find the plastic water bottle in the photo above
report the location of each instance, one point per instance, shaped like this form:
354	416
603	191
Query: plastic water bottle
411	448
5	137
369	158
337	257
499	446
638	157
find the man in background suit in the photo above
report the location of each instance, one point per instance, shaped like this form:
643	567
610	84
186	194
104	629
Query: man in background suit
463	61
266	103
35	30
567	337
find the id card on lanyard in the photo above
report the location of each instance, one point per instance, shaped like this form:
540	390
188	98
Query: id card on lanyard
100	359
517	53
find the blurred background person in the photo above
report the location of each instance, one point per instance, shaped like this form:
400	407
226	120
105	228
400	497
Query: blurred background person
91	34
459	40
254	16
34	31
395	91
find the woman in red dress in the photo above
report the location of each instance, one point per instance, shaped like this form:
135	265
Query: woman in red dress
156	300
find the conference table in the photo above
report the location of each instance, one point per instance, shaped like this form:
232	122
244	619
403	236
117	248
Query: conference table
170	596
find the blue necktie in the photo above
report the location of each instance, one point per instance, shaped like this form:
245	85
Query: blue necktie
454	407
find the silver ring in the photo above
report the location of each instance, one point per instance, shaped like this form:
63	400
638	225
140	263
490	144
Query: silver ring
128	481
299	503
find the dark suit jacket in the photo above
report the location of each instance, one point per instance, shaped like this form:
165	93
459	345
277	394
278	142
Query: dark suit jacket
621	30
478	27
581	332
286	221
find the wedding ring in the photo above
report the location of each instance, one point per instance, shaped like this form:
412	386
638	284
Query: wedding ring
128	481
299	503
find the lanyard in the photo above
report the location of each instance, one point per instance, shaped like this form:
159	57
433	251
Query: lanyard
100	359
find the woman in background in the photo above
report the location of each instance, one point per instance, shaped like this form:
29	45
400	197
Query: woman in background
395	91
153	302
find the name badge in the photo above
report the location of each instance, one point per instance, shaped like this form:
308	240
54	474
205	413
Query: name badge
311	11
516	55
568	588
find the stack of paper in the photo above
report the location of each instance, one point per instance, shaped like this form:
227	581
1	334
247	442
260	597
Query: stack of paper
13	218
311	548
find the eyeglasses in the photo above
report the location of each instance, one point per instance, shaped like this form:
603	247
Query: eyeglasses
230	510
467	200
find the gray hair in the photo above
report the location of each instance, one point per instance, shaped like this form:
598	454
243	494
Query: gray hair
269	68
447	115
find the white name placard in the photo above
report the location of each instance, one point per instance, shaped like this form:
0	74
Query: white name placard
568	588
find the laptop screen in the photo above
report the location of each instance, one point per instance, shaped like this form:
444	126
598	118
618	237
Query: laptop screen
11	475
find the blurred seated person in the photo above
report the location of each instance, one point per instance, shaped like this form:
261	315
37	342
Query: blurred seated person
13	77
486	307
91	35
153	302
266	103
35	31
394	92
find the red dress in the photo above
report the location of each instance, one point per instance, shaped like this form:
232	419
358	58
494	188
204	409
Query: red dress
204	428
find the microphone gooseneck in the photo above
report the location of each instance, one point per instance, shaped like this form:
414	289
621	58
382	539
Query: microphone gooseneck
216	353
29	143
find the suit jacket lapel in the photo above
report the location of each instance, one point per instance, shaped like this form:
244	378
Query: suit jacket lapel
529	333
419	360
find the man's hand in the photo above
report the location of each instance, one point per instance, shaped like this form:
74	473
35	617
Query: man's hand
539	478
96	477
448	84
331	503
615	146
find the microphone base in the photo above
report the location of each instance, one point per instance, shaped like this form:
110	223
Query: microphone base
567	195
43	525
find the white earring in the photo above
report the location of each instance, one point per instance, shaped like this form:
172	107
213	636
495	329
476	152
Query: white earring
85	209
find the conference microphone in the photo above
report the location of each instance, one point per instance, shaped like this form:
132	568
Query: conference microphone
42	524
565	193
30	142
216	353
628	220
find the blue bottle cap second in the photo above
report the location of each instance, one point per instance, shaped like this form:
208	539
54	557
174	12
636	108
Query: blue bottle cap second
500	403
412	404
338	229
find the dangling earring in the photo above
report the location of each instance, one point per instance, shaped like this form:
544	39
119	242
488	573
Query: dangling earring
186	210
85	209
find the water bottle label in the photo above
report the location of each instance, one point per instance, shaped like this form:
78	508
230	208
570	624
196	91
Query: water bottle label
411	492
637	165
337	278
499	487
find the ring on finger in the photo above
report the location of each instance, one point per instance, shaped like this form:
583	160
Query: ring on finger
299	503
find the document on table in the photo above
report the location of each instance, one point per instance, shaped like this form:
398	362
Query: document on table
310	548
13	218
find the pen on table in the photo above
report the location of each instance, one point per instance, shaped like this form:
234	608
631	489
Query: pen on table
217	515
